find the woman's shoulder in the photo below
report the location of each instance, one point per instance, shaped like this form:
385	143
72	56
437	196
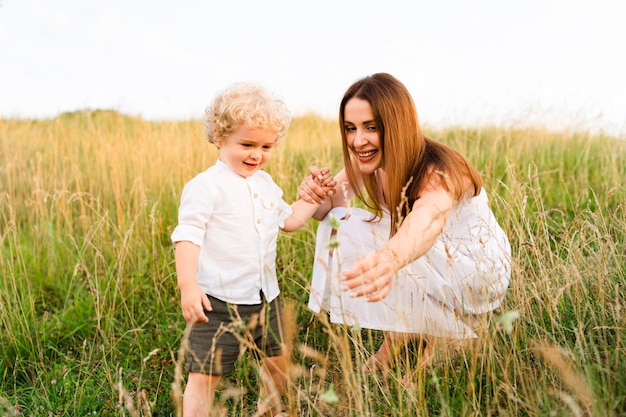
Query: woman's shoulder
437	179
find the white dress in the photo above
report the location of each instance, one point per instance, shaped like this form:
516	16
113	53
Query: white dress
465	274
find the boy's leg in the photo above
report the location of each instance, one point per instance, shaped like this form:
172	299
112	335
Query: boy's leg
273	383
199	394
270	342
212	351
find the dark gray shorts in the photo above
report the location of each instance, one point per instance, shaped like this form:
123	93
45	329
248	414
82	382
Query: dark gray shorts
214	347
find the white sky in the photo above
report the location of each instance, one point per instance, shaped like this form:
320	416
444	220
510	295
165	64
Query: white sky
556	62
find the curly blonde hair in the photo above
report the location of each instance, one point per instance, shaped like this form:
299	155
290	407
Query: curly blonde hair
245	104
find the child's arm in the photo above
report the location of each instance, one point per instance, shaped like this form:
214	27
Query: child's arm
192	297
302	212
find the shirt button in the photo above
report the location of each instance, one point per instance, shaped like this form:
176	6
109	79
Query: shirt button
258	221
272	204
255	195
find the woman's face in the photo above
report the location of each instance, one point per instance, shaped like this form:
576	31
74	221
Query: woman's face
363	135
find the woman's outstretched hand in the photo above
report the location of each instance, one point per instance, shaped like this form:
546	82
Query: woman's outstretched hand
316	187
370	276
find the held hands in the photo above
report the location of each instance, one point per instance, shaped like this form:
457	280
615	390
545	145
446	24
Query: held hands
192	301
316	187
371	275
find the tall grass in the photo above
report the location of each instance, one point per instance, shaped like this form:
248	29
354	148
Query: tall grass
89	310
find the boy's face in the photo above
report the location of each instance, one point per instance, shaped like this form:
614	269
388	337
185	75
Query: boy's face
246	151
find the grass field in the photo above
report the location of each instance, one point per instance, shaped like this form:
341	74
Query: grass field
89	309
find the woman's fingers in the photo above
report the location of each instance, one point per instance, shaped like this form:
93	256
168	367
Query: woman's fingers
373	291
315	171
305	193
323	183
379	294
311	191
369	276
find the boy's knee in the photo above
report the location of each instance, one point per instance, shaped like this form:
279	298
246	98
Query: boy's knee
202	381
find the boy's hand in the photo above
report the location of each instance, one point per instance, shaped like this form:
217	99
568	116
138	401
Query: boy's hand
192	301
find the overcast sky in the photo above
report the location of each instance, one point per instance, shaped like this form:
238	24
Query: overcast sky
466	62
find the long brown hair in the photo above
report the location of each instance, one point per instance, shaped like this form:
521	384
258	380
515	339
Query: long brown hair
409	158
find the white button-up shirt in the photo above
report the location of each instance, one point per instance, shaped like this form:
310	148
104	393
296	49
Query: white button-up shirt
235	221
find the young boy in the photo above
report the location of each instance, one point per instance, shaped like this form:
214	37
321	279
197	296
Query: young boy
228	223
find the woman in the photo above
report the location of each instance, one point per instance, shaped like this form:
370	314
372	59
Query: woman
429	255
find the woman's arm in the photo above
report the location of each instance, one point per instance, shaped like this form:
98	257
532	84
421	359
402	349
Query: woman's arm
372	275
